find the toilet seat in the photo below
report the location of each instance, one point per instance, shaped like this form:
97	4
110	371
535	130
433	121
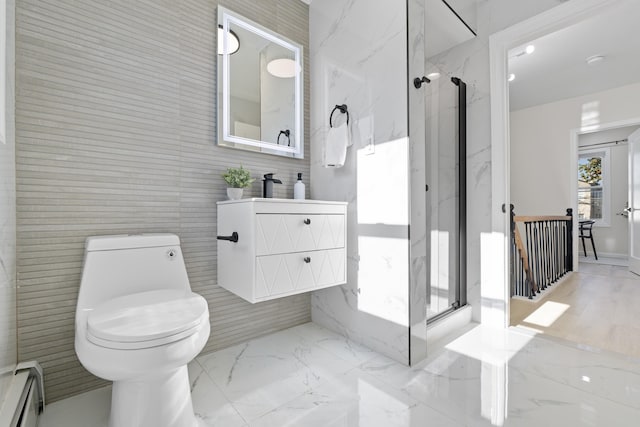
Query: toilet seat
146	319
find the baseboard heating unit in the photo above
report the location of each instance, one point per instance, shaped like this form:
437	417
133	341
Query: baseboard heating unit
25	398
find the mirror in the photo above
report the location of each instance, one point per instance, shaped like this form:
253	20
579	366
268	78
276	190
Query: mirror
260	97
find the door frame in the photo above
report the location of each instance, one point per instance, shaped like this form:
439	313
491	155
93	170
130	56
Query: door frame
573	185
495	273
633	264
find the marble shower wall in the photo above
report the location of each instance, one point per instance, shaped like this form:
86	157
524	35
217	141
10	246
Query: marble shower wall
433	134
358	57
8	346
420	220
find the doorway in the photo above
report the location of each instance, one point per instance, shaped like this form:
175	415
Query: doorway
603	183
556	129
501	43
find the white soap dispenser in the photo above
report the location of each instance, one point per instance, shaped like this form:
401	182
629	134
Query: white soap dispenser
298	188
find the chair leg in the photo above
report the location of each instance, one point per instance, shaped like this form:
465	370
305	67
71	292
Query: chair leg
584	247
593	245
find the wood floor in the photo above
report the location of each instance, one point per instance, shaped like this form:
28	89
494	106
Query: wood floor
599	307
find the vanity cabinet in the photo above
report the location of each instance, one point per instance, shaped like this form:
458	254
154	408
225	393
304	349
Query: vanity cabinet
284	247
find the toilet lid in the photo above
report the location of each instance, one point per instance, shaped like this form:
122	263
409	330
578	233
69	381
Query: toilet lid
146	319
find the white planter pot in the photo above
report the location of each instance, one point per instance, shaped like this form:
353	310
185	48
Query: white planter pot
234	193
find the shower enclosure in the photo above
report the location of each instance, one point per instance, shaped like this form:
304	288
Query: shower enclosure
446	190
406	251
437	126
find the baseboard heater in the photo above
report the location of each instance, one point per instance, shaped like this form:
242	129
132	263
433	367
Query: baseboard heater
25	398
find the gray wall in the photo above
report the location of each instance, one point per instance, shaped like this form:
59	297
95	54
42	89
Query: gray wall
115	122
8	349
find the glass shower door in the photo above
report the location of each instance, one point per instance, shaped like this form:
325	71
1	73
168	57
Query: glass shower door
443	195
445	161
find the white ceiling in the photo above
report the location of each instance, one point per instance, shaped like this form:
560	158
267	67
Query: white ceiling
557	69
443	29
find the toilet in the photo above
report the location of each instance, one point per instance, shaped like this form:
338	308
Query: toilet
138	324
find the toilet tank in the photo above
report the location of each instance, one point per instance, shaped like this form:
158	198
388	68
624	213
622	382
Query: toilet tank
126	264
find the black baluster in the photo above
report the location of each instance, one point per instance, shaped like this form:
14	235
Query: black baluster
558	253
529	245
533	260
541	254
545	224
547	254
536	250
563	253
543	279
513	262
552	243
570	240
558	247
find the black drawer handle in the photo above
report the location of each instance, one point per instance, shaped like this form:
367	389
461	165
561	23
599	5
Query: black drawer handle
233	238
307	221
307	259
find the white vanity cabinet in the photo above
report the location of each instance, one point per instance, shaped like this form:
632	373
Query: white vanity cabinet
284	247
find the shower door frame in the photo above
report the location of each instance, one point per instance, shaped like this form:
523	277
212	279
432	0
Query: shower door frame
461	260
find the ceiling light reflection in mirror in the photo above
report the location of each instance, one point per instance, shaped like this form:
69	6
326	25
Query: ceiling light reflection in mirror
283	68
232	40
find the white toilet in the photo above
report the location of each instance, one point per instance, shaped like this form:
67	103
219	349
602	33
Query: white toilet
138	324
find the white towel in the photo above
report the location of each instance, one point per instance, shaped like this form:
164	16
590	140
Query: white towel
335	147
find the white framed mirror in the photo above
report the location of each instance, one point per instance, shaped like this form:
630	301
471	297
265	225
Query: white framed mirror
260	96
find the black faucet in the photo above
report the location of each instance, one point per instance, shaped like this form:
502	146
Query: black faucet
267	185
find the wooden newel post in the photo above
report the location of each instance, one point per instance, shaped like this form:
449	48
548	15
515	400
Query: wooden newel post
569	260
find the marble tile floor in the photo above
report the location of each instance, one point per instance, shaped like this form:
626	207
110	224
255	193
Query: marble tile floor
597	307
308	376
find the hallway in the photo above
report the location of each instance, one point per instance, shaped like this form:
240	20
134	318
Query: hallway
597	306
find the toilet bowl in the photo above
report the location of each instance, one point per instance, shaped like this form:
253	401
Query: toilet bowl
138	324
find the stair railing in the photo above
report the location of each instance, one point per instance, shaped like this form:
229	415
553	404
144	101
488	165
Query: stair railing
543	256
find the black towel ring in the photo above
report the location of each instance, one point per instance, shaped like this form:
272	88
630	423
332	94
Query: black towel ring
343	110
286	133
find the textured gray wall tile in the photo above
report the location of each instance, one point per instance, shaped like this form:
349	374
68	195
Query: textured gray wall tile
116	134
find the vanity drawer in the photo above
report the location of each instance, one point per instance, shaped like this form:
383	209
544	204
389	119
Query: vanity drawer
263	244
279	275
279	234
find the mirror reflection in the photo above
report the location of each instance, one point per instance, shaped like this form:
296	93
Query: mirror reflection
260	88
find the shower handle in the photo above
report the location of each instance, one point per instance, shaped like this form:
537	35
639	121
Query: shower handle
417	82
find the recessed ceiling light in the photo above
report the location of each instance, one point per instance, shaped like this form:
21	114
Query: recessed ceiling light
433	76
595	59
512	77
522	51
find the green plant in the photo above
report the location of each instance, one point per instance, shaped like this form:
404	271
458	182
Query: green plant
238	177
591	170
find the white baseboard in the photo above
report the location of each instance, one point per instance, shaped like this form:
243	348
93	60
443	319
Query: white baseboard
608	255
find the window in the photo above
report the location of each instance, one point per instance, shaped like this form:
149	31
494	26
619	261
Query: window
593	186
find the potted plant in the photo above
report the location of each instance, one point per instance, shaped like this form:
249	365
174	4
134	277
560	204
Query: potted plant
237	179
